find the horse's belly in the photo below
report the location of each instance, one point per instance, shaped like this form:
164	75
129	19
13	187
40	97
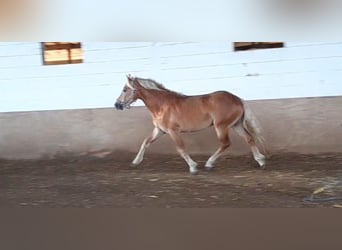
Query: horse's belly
185	122
194	125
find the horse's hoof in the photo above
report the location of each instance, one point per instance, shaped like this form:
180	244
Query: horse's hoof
209	168
194	172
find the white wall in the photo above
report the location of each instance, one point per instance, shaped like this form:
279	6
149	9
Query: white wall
298	70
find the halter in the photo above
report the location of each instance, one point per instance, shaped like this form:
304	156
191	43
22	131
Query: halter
130	86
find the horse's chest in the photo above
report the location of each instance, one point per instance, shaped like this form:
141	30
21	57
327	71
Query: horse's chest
160	121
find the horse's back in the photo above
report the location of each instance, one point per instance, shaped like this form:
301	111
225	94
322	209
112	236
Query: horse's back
224	107
222	100
219	105
225	95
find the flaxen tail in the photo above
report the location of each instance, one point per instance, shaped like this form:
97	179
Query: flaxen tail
251	124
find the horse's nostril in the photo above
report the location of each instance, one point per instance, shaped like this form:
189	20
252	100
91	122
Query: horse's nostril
118	105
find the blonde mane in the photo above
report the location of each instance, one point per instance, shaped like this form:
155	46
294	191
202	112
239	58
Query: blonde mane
152	84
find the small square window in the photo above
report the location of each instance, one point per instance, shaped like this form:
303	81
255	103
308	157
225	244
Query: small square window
55	53
238	46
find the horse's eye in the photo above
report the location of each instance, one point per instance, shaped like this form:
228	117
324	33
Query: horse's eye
124	90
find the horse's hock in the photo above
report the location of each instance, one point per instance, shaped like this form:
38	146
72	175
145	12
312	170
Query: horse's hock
304	125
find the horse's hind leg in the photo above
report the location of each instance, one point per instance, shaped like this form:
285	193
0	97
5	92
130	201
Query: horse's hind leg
223	136
259	157
181	150
156	133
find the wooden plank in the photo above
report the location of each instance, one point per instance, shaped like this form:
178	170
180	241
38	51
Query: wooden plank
60	45
257	45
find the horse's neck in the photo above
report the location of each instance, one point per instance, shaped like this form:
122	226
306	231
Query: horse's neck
153	99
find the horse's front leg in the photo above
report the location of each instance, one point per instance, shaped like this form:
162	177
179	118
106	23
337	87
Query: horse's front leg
156	133
181	150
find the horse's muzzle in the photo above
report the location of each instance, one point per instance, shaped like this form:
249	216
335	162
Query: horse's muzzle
119	105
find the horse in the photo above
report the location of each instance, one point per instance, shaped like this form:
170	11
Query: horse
174	113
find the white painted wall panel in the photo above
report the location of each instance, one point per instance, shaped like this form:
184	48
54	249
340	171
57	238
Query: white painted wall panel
298	70
19	49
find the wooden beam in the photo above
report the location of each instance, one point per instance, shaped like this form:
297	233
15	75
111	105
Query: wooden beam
257	45
58	46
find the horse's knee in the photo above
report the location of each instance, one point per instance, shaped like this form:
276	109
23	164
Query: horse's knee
250	140
226	145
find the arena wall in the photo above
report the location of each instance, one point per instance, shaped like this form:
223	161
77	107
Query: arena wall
302	125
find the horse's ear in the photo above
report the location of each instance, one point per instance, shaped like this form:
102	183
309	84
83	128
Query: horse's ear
129	77
131	81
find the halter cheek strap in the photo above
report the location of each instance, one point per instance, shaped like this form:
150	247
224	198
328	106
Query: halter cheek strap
130	85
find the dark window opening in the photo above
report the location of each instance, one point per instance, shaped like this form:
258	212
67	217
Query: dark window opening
239	46
55	53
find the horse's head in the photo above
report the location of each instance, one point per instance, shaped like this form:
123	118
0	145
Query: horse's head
128	95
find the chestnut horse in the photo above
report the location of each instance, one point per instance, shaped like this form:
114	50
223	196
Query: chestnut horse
174	113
